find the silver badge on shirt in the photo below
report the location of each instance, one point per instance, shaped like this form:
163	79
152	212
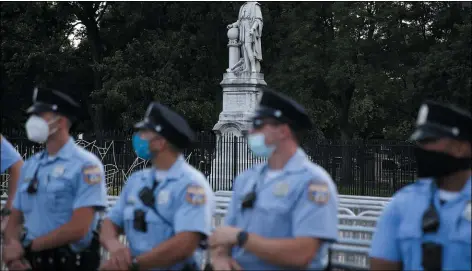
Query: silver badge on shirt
467	214
281	189
163	197
131	200
58	171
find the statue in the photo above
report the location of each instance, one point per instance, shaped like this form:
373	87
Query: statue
249	24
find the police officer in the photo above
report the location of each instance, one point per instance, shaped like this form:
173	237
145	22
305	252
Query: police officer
164	211
11	160
427	224
60	192
283	213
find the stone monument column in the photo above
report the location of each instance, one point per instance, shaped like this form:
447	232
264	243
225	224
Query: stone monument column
233	46
242	87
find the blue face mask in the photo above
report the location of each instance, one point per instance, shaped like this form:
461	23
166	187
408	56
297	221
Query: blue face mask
257	145
141	147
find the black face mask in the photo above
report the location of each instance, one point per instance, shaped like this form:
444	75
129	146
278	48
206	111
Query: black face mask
433	164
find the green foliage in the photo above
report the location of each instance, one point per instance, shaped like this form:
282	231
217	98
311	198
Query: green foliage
361	68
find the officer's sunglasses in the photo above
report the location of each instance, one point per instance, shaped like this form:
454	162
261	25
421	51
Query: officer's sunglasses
427	140
260	123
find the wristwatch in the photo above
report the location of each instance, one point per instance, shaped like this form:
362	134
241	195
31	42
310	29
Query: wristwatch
134	265
27	245
242	238
5	212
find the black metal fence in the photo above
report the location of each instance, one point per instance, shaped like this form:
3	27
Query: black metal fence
374	168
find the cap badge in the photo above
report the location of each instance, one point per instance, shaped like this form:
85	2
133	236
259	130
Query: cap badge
35	94
422	115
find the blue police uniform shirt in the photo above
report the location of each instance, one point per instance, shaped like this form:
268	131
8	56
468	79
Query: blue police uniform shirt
9	155
184	202
288	206
72	179
398	235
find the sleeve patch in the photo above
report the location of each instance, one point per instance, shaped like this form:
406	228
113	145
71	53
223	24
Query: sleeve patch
195	195
92	174
318	193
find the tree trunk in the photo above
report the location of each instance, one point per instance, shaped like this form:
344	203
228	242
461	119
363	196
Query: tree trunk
347	165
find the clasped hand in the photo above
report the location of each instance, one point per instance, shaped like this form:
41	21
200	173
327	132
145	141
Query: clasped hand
12	251
19	265
120	259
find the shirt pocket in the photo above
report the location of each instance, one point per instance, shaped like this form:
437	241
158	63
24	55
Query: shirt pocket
141	242
60	198
158	231
26	200
272	218
459	247
132	235
410	239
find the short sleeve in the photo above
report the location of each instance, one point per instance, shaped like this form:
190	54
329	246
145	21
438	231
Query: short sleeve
91	188
317	202
9	155
230	216
384	242
17	198
115	213
194	213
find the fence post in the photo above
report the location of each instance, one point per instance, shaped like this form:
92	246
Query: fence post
394	180
235	158
362	168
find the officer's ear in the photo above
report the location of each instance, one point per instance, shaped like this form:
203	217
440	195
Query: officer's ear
157	144
284	131
169	146
460	148
62	121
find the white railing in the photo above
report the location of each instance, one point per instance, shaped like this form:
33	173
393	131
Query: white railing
357	219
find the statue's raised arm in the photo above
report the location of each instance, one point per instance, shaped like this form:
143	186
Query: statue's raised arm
250	25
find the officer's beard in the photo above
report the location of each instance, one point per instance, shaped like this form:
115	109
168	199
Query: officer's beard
437	165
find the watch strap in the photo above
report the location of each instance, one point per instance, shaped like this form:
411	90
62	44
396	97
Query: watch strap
242	238
134	265
5	212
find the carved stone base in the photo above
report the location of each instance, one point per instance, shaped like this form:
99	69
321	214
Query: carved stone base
241	93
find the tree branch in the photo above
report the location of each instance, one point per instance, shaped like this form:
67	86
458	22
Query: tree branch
99	17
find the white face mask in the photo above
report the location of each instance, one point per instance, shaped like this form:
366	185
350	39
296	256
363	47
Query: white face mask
37	129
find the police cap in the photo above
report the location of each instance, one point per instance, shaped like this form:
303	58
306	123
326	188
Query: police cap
436	120
168	124
282	108
51	100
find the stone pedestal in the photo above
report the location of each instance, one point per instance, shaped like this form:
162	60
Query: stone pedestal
241	94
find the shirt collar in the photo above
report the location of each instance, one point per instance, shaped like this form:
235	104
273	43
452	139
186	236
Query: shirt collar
64	152
466	189
294	164
175	171
465	192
